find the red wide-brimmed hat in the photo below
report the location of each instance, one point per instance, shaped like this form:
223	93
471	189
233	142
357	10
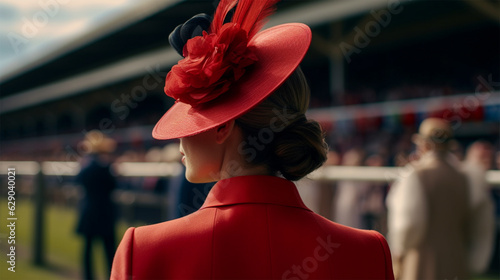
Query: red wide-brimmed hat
230	69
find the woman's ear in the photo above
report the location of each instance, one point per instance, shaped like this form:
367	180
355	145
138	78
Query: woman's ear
223	131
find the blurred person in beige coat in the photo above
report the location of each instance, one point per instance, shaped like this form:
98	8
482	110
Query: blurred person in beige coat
428	211
478	160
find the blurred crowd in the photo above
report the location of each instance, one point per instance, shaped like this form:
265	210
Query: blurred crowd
368	95
352	203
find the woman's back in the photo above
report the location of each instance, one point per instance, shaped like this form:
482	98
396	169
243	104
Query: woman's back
252	227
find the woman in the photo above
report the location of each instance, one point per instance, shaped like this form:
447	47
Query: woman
241	100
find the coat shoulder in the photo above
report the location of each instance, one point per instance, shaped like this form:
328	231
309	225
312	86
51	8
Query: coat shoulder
365	248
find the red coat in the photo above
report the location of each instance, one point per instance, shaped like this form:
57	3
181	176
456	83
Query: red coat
252	227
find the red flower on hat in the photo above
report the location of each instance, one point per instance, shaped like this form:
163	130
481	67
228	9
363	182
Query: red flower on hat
212	62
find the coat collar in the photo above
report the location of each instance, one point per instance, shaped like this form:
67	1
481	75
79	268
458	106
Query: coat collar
254	189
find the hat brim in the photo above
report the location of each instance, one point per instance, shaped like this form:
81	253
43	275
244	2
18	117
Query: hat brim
279	49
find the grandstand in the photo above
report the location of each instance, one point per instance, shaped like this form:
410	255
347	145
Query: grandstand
373	66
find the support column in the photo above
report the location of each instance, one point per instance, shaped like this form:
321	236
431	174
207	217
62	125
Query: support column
337	70
39	232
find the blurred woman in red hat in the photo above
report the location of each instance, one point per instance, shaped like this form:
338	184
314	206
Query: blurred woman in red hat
240	116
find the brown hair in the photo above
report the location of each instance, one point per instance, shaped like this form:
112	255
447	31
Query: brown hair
277	134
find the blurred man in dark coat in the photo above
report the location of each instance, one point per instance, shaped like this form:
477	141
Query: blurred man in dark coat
97	212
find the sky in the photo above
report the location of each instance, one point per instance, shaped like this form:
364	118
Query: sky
30	28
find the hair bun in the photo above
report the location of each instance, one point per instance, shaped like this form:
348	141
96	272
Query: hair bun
299	149
191	28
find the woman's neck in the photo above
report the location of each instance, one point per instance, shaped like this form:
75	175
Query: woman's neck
235	164
235	168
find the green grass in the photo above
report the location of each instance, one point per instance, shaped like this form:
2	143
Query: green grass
25	270
62	246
